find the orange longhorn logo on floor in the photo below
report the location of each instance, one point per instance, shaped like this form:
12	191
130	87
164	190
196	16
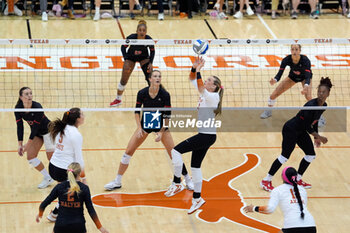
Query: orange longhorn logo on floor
222	200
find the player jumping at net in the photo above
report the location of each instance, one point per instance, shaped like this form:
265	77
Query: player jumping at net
135	53
300	71
153	96
209	105
296	131
293	200
39	135
71	194
69	143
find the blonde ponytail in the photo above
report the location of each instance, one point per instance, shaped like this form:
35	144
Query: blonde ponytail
73	172
220	89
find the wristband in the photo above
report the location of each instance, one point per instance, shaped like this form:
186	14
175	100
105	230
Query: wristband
256	208
193	70
199	76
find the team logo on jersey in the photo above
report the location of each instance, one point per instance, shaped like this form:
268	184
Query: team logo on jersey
151	120
222	200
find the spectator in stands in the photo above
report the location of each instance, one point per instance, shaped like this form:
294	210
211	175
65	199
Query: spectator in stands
161	9
132	4
97	10
274	7
17	11
312	3
218	8
348	9
186	7
59	7
239	14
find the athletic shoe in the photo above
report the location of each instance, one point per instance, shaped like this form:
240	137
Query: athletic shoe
97	16
6	11
222	15
216	6
70	14
304	184
273	15
115	103
161	16
138	7
322	122
52	217
45	183
189	184
238	15
250	11
348	15
266	185
266	114
294	15
113	185
132	15
196	204
44	17
174	189
17	11
314	15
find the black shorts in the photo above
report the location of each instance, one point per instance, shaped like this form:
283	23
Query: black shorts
136	58
71	228
299	230
297	78
291	137
153	130
57	173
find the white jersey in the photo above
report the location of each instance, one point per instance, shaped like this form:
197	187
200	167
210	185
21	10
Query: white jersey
68	148
207	103
284	196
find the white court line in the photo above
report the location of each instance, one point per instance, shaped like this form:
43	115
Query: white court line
267	26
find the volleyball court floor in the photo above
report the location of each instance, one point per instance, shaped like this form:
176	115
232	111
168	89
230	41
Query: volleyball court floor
232	168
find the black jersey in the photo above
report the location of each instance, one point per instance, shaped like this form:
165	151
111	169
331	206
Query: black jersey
138	52
307	120
71	209
162	100
37	121
298	72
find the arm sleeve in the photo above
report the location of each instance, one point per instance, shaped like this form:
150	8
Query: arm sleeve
52	196
281	70
77	142
20	129
308	74
139	101
90	207
38	116
273	203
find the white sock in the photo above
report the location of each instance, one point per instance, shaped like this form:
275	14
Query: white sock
97	9
119	97
45	173
118	179
187	177
299	177
268	177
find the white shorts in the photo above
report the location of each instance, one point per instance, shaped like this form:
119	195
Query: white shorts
49	145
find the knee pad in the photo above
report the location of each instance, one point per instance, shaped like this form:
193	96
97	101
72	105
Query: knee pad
34	162
125	159
271	102
282	159
196	175
309	158
176	158
121	87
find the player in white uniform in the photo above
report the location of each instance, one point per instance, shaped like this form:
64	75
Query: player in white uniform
292	199
209	106
68	143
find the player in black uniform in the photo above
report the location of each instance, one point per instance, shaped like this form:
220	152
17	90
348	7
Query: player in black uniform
153	96
71	197
296	130
135	53
39	135
300	71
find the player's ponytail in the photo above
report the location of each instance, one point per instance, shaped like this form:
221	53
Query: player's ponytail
219	88
73	172
69	118
19	101
325	81
289	175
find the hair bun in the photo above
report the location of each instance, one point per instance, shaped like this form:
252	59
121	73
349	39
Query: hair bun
142	22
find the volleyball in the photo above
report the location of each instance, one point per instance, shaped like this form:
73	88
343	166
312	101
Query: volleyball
200	46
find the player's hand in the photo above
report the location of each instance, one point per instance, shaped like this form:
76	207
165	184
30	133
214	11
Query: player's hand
324	140
201	64
149	68
159	137
196	63
37	219
317	143
20	150
103	230
249	208
272	81
139	133
305	90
